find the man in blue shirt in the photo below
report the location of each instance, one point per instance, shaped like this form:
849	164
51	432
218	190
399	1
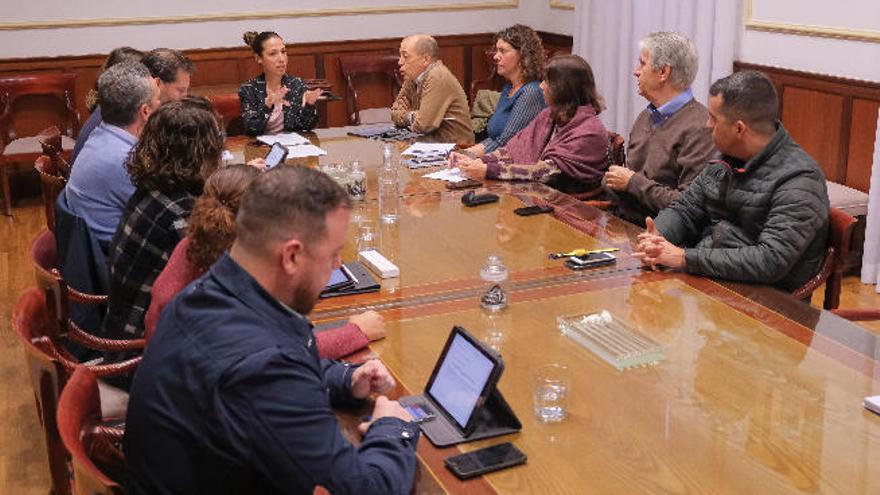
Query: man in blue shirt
99	185
231	396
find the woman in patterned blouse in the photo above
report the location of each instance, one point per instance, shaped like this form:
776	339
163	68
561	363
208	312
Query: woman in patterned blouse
275	102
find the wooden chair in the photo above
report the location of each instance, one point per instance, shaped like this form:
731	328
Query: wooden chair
616	154
83	431
51	185
14	149
840	230
49	370
493	81
59	295
358	70
229	107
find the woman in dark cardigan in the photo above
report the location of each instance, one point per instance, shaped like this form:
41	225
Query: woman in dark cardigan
275	102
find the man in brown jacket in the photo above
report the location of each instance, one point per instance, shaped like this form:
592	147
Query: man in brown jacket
431	101
669	143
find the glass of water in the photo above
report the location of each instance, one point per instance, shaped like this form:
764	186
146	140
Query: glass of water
552	384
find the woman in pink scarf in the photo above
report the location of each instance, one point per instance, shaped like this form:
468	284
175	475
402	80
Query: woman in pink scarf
565	147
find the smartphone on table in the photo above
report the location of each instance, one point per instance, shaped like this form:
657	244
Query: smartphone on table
590	260
277	154
485	460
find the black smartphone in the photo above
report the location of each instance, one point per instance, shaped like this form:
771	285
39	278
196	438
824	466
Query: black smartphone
471	198
590	260
277	154
526	211
419	412
485	460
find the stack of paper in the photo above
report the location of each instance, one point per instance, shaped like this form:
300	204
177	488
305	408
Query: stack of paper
447	174
297	145
287	139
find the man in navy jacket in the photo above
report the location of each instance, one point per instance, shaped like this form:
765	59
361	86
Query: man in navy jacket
231	396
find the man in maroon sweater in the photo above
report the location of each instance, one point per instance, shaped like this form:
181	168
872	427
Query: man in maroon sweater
669	143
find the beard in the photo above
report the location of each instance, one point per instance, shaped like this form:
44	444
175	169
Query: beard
304	297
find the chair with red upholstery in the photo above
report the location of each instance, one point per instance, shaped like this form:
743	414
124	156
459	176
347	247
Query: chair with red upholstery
51	184
228	105
840	231
83	431
59	296
362	70
15	149
49	370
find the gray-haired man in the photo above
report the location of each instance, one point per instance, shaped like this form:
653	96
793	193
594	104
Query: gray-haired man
99	186
669	143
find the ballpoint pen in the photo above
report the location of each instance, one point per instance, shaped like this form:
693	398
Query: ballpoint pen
581	252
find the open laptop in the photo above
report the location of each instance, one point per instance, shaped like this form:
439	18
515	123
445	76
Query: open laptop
461	402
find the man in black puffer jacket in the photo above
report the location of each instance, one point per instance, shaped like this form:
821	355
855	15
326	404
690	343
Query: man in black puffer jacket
758	215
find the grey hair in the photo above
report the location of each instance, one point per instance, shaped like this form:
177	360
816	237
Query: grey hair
676	51
122	89
426	45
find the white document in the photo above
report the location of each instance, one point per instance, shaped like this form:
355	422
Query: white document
447	174
304	150
286	139
420	149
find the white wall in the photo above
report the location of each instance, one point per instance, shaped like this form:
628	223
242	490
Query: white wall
23	42
838	57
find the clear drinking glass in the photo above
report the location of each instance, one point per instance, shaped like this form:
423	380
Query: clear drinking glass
366	239
552	384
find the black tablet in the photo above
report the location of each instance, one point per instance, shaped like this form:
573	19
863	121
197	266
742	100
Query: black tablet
463	378
340	278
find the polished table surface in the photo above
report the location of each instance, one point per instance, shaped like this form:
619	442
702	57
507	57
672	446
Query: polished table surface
759	393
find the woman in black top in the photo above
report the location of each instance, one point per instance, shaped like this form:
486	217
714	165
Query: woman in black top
275	102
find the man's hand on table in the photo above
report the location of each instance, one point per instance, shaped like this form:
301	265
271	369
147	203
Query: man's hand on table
654	249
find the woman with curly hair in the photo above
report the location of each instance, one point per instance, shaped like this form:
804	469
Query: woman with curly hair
519	58
211	231
179	148
565	147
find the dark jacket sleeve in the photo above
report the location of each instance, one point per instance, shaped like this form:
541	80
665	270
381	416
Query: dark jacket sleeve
254	112
278	409
683	221
298	117
694	153
797	213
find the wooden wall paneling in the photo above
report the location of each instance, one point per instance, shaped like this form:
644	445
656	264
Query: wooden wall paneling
863	132
817	133
223	69
840	128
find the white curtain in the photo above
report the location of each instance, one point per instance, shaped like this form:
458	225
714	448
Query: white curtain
607	34
871	255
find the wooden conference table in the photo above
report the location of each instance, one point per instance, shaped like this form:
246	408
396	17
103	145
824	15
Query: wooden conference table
758	393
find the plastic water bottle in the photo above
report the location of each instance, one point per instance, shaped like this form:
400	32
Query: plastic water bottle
389	187
493	296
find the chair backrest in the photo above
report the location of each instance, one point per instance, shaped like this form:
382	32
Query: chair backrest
840	230
31	323
58	85
228	105
66	332
493	81
51	185
359	70
50	141
79	417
